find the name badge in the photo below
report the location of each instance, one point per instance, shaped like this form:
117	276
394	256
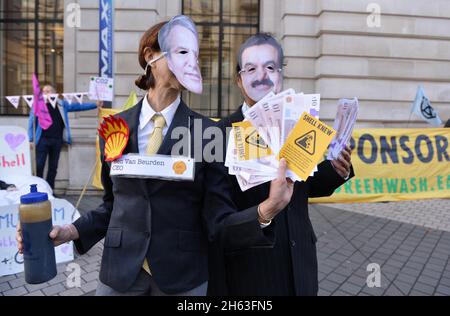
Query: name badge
154	167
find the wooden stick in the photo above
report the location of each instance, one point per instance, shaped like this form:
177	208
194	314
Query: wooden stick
87	183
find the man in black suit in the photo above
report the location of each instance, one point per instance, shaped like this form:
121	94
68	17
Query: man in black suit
289	267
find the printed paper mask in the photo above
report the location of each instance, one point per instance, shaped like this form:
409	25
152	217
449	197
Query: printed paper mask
179	42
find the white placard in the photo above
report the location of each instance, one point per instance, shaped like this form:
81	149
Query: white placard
101	89
11	262
157	166
14	151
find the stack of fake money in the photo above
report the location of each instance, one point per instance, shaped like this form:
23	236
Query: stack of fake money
284	125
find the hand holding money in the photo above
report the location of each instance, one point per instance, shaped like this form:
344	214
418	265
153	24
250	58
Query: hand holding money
345	121
343	164
287	125
281	190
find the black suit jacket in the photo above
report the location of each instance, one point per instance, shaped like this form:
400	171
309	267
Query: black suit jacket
167	222
290	266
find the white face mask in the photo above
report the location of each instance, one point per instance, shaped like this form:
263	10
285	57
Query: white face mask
179	42
260	71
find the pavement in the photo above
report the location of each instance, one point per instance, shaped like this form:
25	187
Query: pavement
409	241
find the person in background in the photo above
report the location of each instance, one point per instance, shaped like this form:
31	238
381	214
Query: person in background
49	142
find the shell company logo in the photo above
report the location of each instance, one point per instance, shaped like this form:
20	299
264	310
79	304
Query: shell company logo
179	167
115	133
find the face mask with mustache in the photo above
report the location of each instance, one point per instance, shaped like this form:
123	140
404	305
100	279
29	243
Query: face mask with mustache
251	89
264	82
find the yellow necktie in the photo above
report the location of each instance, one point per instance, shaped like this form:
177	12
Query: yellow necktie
156	138
154	142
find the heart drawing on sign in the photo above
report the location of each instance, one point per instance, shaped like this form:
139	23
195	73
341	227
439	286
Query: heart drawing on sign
14	141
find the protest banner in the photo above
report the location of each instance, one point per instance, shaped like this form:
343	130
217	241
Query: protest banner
397	165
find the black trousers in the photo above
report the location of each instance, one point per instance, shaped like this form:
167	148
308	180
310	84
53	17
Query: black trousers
50	147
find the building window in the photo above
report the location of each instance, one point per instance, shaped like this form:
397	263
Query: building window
223	25
31	41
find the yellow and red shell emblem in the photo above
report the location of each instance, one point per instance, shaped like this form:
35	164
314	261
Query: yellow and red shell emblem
116	133
179	167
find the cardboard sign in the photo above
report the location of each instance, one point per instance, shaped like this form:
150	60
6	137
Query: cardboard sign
14	151
11	262
101	89
305	146
157	167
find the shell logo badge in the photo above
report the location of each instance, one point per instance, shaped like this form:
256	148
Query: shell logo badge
116	133
179	167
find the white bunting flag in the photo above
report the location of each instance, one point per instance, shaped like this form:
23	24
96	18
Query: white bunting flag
68	97
79	96
15	100
29	100
53	99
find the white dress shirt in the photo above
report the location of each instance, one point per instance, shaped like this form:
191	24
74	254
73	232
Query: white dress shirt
245	108
146	125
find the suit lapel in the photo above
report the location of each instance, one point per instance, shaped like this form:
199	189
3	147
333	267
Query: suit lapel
132	118
228	123
183	118
236	116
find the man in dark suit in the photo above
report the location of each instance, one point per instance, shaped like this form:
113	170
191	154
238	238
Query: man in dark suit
289	267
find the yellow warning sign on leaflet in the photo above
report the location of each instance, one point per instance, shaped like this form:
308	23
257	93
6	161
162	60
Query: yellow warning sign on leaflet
307	142
249	143
306	145
255	140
